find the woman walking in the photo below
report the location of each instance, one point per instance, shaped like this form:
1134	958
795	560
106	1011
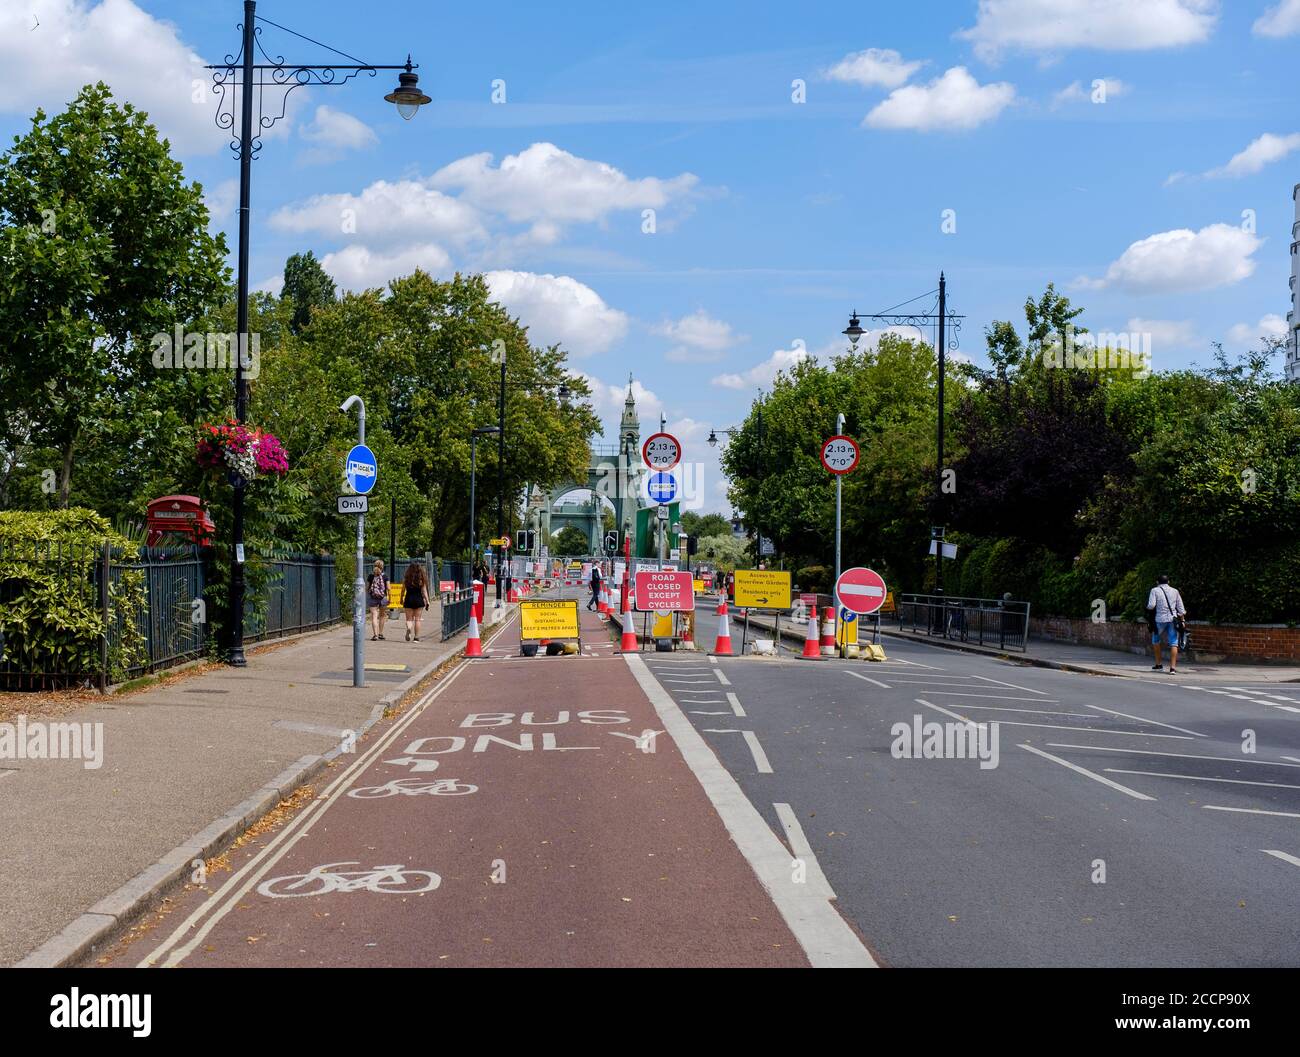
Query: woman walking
415	597
377	600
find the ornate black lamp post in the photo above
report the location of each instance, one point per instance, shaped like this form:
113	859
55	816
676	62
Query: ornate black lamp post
243	73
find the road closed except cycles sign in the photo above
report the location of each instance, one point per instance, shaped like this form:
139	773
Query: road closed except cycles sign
762	589
860	590
661	591
548	619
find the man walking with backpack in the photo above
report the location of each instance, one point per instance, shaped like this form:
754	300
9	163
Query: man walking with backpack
595	586
1167	618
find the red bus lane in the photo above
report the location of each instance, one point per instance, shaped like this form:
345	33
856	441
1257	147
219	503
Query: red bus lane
534	813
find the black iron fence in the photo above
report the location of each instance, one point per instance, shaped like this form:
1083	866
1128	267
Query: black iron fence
84	614
455	612
983	621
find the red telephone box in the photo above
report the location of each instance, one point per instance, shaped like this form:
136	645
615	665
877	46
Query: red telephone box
180	514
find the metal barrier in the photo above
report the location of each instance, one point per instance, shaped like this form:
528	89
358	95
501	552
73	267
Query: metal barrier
984	621
301	596
455	612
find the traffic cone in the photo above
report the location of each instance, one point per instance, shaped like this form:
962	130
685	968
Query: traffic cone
828	632
513	594
473	642
722	648
602	599
722	603
628	645
811	650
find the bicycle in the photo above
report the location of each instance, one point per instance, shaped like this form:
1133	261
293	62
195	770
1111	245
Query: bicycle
414	787
394	879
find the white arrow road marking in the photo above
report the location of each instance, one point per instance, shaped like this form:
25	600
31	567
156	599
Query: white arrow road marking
416	766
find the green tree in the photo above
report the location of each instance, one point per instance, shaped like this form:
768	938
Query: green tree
102	244
569	541
694	524
306	287
725	552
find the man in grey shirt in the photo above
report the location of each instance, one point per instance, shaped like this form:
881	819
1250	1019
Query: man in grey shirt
1169	608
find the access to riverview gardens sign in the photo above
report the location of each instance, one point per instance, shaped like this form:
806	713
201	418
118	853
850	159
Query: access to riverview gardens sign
762	589
660	591
548	619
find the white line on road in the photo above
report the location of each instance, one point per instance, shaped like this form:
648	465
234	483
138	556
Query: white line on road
825	937
1014	686
1087	773
1054	726
1153	722
709	691
1027	711
1282	855
1201	778
877	682
696	712
734	701
721	678
999	697
803	850
1250	811
1179	755
756	750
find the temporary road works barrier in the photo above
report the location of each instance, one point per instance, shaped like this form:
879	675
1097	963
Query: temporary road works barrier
766	589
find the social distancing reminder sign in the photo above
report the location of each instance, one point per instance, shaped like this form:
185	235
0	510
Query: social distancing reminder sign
663	591
762	589
548	619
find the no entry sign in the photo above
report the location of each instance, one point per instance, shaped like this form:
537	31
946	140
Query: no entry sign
840	454
664	592
661	451
860	591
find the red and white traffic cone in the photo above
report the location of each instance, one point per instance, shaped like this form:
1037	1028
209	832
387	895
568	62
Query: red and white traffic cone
602	599
828	632
722	648
628	644
722	603
473	643
811	650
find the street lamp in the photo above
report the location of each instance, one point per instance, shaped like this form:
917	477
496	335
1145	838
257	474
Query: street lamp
854	333
286	76
474	435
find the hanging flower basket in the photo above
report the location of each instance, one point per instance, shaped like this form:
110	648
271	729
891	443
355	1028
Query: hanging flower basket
240	451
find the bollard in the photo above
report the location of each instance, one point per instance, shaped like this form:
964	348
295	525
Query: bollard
811	642
828	632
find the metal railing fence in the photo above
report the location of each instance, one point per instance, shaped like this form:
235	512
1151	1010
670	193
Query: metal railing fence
983	621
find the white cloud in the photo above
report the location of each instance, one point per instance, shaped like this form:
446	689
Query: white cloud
221	201
1165	333
1259	153
1280	20
875	67
954	101
548	187
360	268
1110	25
50	48
1182	261
763	374
1271	326
1109	88
559	309
335	130
407	211
699	337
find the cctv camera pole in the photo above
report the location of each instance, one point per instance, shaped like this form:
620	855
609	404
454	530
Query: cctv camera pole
359	582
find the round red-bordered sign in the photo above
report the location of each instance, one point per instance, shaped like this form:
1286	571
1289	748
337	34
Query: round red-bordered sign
840	455
661	451
861	591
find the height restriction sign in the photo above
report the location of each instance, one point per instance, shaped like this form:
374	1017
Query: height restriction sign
840	454
661	451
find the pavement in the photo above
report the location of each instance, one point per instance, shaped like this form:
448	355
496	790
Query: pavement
186	766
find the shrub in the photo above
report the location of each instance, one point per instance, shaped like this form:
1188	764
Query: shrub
815	578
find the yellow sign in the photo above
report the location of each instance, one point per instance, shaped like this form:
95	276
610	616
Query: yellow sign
846	632
663	626
762	589
500	541
394	596
548	619
888	606
698	586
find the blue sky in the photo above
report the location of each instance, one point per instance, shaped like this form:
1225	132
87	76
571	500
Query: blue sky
773	217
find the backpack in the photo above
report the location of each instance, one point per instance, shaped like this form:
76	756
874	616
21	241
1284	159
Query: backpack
377	587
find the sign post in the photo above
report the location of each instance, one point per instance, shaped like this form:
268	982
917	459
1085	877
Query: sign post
862	592
361	471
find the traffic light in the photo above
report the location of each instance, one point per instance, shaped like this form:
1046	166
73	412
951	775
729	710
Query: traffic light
524	540
692	544
611	541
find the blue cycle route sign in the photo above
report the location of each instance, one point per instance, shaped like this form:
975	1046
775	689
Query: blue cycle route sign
361	469
662	487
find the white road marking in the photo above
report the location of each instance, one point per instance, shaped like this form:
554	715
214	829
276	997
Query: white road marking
696	712
1282	855
1087	773
999	697
721	678
1027	711
1293	759
734	701
1250	811
1014	686
1054	726
713	660
756	750
1179	755
709	691
1152	722
1200	778
947	682
803	850
824	936
877	682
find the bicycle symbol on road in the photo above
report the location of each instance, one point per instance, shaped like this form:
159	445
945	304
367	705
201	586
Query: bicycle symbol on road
414	787
320	880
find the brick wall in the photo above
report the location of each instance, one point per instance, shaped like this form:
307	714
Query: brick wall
1246	643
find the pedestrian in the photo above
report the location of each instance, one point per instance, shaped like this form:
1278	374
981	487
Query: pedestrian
415	598
377	599
595	586
1167	619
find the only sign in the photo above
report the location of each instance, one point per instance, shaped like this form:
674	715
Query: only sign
840	454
